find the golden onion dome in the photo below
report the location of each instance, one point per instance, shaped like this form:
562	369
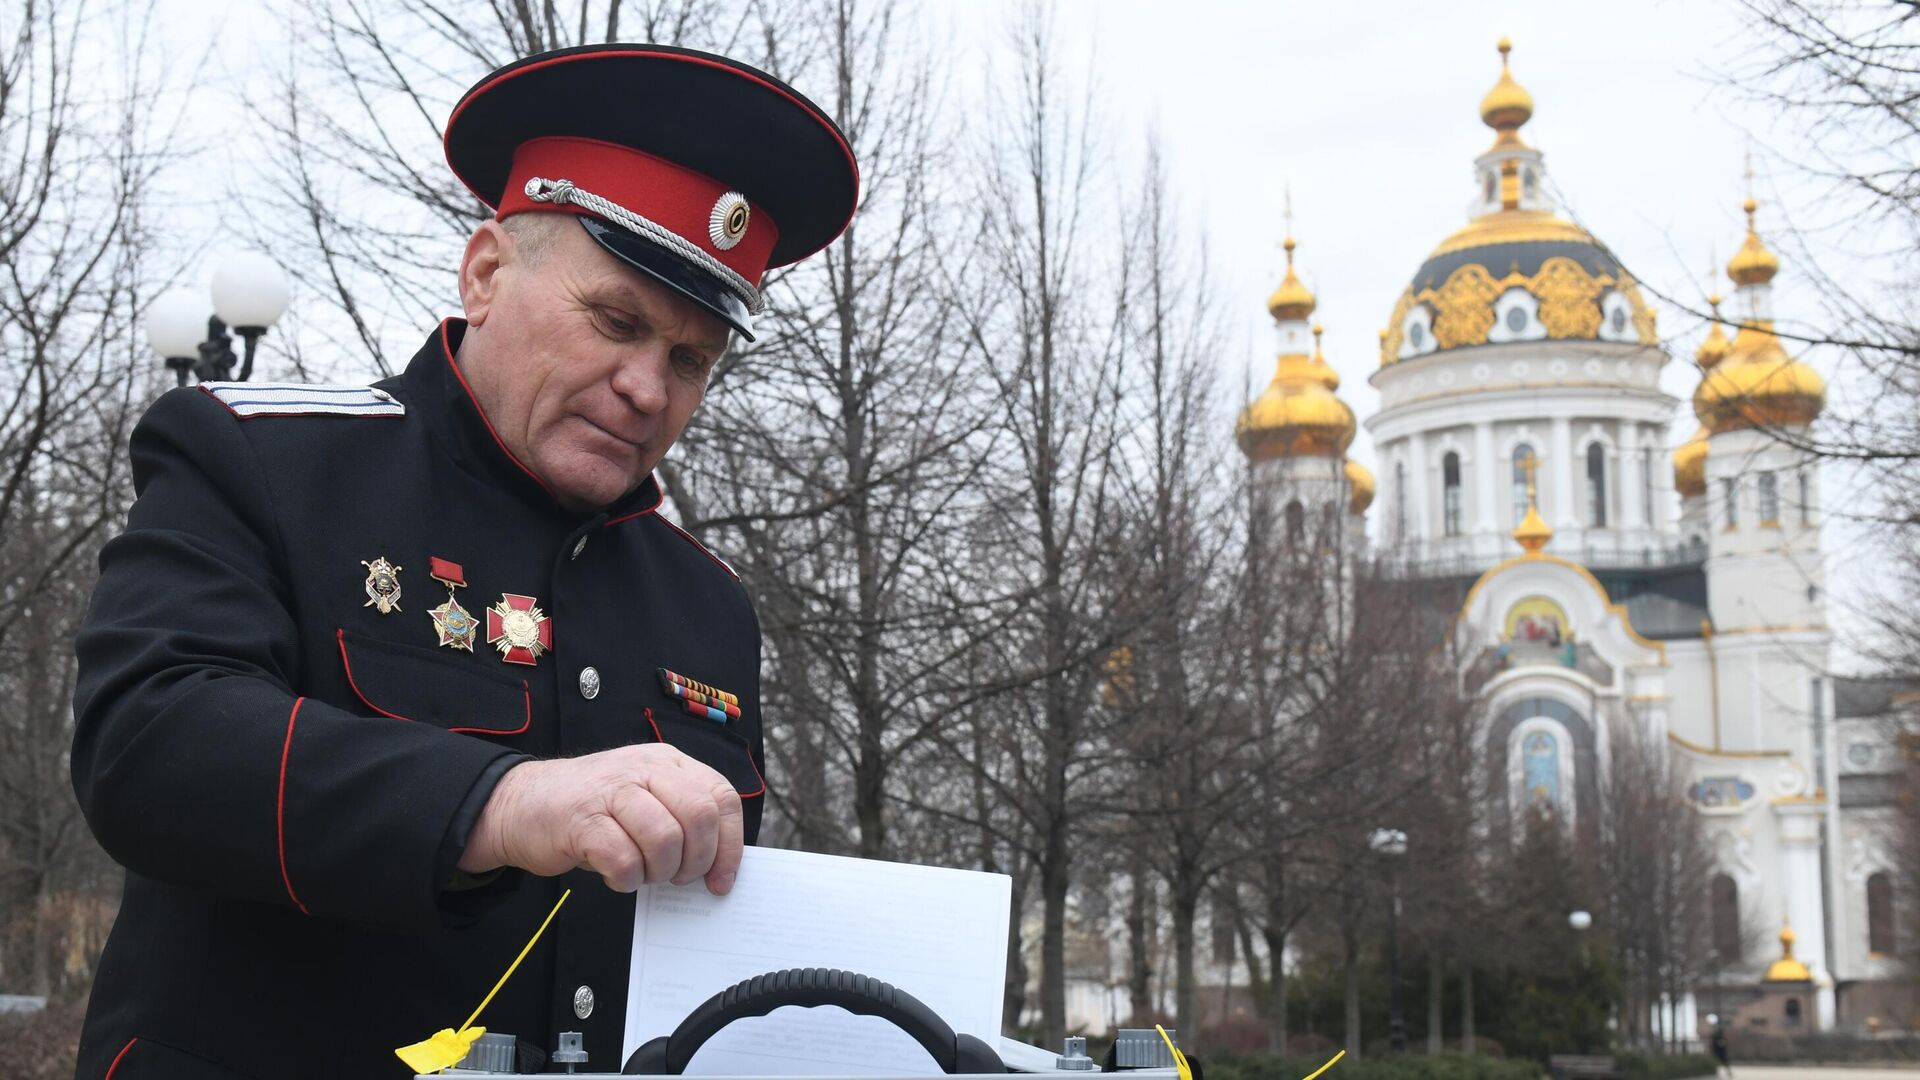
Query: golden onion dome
1690	465
1758	385
1753	264
1359	487
1507	105
1576	283
1297	414
1292	300
1787	969
1716	347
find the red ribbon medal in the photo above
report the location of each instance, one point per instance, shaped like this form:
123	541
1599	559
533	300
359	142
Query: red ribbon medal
517	628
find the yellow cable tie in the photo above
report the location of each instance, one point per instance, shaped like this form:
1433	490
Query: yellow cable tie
446	1047
1179	1059
1331	1062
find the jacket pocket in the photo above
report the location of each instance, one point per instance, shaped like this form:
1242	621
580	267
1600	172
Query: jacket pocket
711	743
407	682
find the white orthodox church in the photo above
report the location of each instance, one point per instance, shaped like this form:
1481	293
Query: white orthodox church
1523	359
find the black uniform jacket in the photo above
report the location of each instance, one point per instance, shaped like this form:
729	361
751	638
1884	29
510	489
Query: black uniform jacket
289	775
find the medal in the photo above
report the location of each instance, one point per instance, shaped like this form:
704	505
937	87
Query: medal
383	585
517	628
451	621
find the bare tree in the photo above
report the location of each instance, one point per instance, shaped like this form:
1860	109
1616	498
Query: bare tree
1656	872
78	160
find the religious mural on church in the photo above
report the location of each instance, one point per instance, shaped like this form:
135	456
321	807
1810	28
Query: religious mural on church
1537	619
1540	769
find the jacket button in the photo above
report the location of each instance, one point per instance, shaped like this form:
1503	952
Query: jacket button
589	683
583	1002
578	547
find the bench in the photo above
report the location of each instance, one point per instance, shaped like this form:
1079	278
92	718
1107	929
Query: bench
1583	1067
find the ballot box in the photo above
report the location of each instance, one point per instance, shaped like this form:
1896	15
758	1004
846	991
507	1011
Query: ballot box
1149	1053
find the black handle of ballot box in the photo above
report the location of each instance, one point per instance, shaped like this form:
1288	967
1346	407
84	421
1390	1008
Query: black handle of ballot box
808	987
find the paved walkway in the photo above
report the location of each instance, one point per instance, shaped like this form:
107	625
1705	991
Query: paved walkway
1809	1072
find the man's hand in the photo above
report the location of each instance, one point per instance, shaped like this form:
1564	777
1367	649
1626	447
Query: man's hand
635	815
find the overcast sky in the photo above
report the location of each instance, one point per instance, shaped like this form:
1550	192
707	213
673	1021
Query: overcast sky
1369	112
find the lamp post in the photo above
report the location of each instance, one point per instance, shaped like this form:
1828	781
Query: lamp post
1392	843
249	295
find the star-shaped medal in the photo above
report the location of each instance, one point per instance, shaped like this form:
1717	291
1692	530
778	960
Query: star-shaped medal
517	628
452	622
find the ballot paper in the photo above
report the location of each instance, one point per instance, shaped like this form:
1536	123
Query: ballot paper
939	934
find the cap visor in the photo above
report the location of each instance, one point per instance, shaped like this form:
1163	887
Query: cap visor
674	272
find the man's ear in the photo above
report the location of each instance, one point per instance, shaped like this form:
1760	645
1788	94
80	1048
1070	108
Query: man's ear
488	250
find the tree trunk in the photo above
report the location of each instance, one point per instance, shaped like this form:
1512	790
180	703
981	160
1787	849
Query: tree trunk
1139	966
1185	1002
1053	941
1466	1007
1436	990
1350	942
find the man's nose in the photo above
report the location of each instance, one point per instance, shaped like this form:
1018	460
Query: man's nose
642	378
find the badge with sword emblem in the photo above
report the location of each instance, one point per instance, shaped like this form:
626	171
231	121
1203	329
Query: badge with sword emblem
383	585
451	621
518	629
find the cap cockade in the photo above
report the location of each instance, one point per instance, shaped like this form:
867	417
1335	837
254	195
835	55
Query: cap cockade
699	171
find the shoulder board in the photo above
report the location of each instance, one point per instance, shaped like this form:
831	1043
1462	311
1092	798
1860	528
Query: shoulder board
247	400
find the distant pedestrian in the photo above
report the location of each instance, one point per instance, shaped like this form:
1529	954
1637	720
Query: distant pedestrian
1719	1045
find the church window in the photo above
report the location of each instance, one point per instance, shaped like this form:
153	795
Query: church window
1769	499
1596	485
1520	454
1296	523
1417	334
1618	320
1488	185
1880	914
1540	770
1450	482
1725	905
1516	318
1730	493
1531	180
1792	1011
1806	499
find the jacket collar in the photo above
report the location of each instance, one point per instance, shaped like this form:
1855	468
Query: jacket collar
439	389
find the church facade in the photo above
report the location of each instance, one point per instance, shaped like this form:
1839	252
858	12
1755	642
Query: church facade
1631	561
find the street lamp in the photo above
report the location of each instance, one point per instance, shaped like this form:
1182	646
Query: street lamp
1392	843
249	294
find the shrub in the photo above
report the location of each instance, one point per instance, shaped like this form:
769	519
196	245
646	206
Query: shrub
1666	1067
1404	1067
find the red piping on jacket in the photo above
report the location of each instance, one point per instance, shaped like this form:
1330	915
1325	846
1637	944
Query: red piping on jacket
279	820
526	694
121	1054
461	376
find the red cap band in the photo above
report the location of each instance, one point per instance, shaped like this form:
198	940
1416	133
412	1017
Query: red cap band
675	198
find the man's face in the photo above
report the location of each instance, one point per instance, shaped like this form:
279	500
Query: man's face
587	368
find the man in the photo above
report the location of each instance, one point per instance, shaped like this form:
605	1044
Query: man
374	673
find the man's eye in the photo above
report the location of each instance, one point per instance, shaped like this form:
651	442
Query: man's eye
616	323
690	360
